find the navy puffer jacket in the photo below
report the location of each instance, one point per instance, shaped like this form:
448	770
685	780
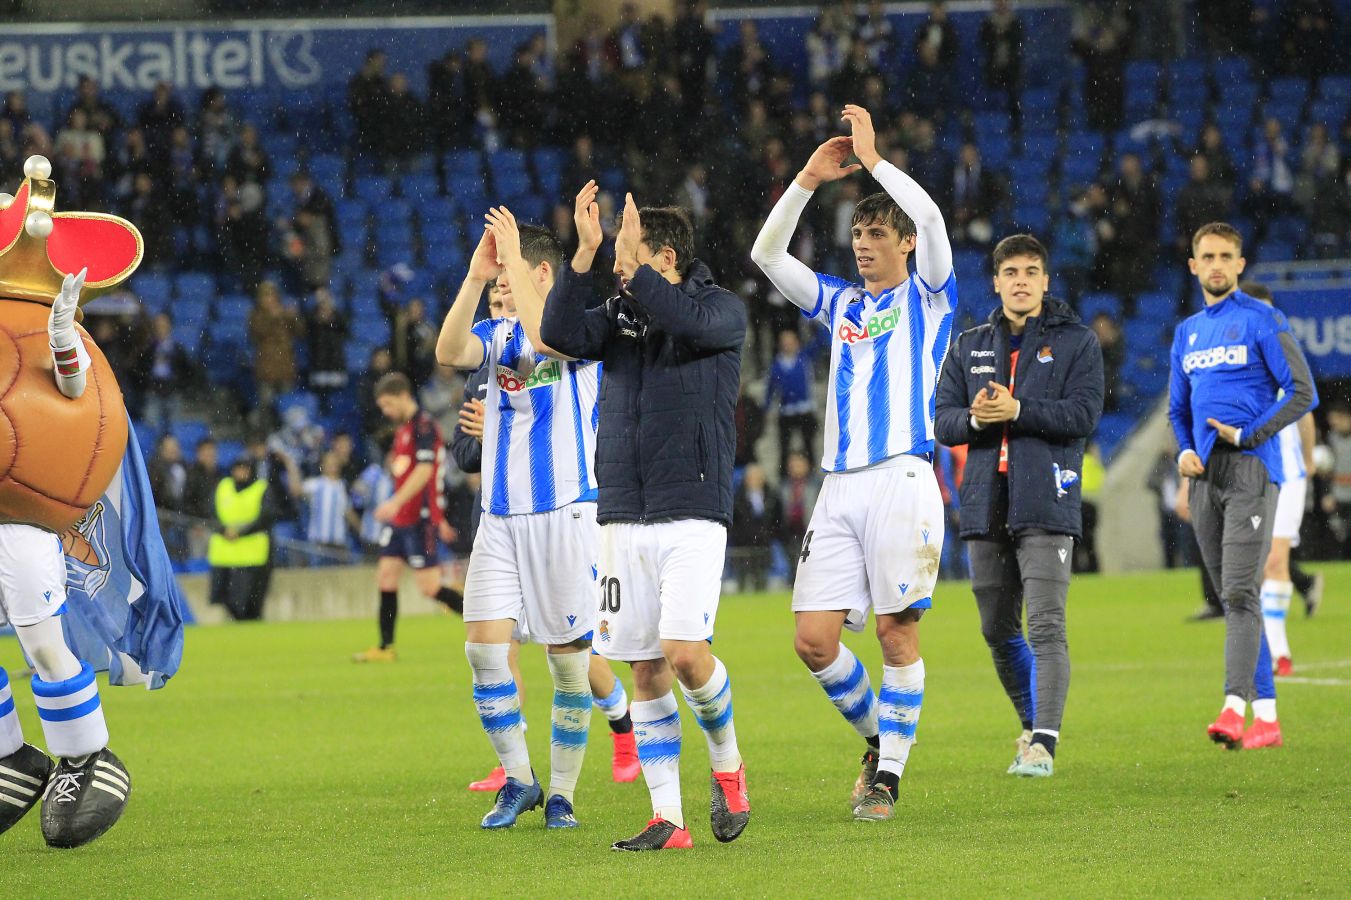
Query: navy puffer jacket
672	367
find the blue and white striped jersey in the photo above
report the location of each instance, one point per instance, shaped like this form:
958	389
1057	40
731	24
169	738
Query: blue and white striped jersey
539	429
1292	453
327	514
885	356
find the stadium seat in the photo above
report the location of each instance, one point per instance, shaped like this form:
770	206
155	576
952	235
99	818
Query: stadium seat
463	163
190	433
196	286
227	451
421	188
506	160
1092	304
303	399
154	289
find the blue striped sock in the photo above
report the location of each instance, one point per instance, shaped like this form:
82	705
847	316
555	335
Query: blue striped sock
71	714
11	732
846	683
571	720
712	707
616	704
499	707
656	727
898	714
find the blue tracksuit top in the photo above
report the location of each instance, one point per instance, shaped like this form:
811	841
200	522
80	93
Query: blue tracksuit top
1237	362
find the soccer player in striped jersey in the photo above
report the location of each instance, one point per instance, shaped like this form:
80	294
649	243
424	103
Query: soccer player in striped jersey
876	533
330	506
535	551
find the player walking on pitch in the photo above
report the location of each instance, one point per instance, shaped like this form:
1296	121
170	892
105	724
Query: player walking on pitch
535	550
876	533
671	346
1230	363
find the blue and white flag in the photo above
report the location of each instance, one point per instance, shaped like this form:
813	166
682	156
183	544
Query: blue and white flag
122	601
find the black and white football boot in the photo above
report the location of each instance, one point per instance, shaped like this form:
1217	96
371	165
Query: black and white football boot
23	775
85	797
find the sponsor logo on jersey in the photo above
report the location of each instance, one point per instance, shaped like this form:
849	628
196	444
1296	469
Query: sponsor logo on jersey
982	370
878	325
545	374
1235	355
982	353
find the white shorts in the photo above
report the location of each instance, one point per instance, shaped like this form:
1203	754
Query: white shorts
538	568
32	575
657	582
1290	510
874	542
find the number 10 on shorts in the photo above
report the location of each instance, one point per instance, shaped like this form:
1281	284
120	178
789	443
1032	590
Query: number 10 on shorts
609	595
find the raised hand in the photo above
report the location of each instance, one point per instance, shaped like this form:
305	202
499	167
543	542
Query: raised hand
506	234
586	216
861	131
483	265
62	319
629	238
827	163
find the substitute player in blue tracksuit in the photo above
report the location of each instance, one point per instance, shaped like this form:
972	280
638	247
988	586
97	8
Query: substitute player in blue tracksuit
1238	378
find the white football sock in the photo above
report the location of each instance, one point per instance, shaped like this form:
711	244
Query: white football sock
656	726
898	714
1264	710
1275	606
712	708
1236	703
499	707
571	720
71	714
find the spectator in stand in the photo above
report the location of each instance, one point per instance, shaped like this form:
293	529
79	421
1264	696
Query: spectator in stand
1272	184
827	46
1075	243
876	33
414	342
164	373
750	426
330	511
149	208
977	194
694	196
1218	160
183	183
1086	550
310	197
1001	39
928	86
1320	166
1338	501
692	43
1204	198
366	96
1135	216
441	397
199	489
480	82
446	113
1176	539
326	333
307	246
790	384
80	153
11	154
217	131
757	519
798	489
1101	40
241	232
130	159
298	444
15	110
401	124
373	487
158	117
1308	36
930	163
938	33
168	482
248	161
1330	217
857	69
373	423
273	330
1113	344
525	108
99	113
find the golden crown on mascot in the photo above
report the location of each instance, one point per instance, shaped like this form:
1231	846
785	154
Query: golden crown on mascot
57	455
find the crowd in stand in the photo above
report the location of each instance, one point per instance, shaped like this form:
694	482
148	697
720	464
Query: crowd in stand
721	133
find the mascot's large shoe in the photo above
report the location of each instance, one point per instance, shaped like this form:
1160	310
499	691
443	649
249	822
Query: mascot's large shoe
23	775
85	798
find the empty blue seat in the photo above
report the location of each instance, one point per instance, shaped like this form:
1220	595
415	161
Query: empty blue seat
303	399
196	285
190	433
463	163
550	159
327	166
154	288
510	183
421	188
506	160
188	336
227	451
1092	304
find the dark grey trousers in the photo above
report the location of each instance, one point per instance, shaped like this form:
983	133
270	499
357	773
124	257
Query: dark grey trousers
1033	569
1233	506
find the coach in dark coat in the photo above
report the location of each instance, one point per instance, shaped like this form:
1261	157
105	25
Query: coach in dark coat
1024	391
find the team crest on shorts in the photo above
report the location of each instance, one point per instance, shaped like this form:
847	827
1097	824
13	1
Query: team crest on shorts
604	629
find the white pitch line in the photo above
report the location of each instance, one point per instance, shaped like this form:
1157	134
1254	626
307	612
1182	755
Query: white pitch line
1326	664
1295	679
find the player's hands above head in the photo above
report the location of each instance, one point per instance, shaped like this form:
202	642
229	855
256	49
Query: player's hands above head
1189	464
471	418
828	163
62	319
1228	433
586	216
483	265
630	236
506	234
860	123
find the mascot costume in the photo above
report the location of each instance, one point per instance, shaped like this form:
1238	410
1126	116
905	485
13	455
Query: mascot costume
85	581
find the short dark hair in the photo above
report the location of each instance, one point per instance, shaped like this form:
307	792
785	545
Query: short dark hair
880	208
1219	229
669	226
541	245
394	384
1020	245
1258	291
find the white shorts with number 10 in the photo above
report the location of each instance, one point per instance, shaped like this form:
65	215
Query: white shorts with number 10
658	582
874	542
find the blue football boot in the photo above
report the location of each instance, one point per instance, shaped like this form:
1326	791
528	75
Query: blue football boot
514	798
558	813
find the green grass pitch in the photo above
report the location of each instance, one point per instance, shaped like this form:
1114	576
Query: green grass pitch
273	766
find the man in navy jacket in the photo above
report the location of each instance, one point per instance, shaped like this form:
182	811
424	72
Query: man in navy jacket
1024	391
670	345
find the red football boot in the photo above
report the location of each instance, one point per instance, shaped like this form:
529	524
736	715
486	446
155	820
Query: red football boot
496	778
1284	667
1262	734
624	765
729	805
658	835
1227	729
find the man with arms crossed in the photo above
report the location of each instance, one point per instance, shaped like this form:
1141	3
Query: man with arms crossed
1023	392
671	346
1238	378
876	534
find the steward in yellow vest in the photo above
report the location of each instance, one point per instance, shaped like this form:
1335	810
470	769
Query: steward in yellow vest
240	550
